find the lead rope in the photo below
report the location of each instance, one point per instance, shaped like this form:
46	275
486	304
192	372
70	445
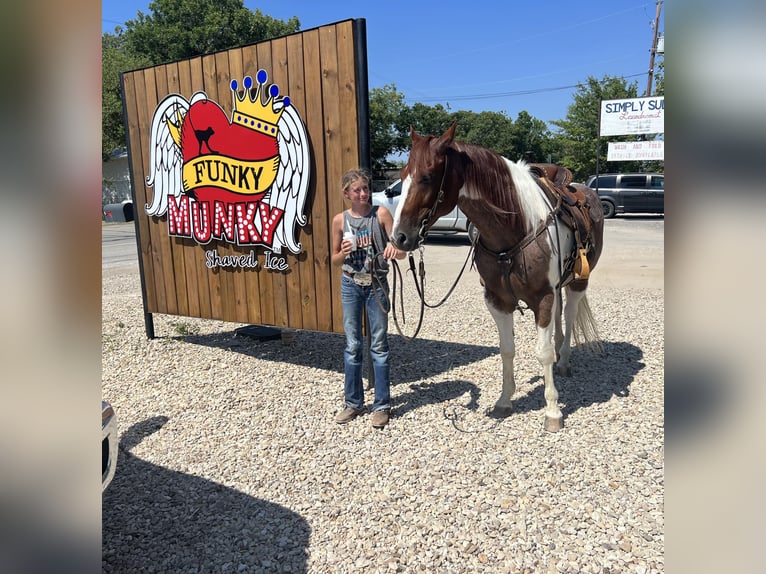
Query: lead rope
420	287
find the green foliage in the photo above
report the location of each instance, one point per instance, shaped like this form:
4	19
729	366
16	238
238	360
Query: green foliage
578	138
178	29
386	108
115	59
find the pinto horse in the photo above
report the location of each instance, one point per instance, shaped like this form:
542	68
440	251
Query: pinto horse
524	251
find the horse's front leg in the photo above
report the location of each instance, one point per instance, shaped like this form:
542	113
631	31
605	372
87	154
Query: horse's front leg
546	354
504	322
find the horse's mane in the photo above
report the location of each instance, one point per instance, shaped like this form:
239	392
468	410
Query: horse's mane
508	187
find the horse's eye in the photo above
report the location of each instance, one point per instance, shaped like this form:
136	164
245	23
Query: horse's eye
425	179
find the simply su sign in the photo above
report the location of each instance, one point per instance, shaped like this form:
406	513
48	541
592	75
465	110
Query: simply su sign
633	116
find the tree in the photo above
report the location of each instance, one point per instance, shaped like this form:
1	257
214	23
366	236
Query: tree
425	120
531	135
492	130
578	137
114	60
179	29
387	107
174	30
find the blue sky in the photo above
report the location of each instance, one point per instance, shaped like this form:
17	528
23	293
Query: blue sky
505	56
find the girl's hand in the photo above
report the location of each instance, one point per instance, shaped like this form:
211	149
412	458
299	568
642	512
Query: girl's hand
391	252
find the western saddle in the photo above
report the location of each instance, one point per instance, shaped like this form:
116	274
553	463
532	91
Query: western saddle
571	205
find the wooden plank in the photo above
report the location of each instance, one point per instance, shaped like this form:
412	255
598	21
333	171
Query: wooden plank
156	89
281	280
263	54
253	303
240	275
189	246
210	83
347	95
177	245
333	151
196	84
147	102
320	219
135	136
226	274
304	262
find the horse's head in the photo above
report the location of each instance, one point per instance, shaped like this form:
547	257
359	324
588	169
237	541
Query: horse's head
426	195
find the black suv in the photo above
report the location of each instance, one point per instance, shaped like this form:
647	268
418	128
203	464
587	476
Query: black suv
630	192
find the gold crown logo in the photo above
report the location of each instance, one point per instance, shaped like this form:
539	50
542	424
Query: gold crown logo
251	112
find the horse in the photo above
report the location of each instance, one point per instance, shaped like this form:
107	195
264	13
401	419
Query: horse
528	248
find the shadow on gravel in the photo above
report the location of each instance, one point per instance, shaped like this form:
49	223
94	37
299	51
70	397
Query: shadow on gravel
596	378
421	394
410	360
159	520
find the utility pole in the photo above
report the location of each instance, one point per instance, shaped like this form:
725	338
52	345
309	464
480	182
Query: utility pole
653	51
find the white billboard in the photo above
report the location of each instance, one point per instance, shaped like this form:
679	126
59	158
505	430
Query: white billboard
636	151
633	116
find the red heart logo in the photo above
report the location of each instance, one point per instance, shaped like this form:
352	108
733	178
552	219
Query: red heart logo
208	133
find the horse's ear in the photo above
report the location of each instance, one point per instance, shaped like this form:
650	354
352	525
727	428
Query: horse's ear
414	135
445	140
451	131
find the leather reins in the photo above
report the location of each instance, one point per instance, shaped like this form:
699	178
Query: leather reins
419	276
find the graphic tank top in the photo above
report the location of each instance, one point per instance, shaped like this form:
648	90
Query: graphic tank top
371	240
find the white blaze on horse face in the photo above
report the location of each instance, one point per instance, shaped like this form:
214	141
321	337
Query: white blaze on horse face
399	206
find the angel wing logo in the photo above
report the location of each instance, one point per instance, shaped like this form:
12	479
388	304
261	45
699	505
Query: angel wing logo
242	179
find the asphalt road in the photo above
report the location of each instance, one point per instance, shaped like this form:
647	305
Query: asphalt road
633	255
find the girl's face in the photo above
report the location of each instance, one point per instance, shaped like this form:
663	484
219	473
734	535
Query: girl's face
358	192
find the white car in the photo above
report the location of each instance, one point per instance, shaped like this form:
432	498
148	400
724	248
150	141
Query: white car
452	222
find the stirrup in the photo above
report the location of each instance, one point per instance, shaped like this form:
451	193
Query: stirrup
582	268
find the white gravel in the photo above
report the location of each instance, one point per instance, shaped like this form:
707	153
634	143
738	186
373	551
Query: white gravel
230	459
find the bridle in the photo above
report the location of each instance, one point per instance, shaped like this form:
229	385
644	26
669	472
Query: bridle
419	277
432	211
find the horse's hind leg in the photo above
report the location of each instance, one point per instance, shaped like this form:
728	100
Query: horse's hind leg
504	322
571	307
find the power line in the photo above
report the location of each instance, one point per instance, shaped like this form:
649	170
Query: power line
503	94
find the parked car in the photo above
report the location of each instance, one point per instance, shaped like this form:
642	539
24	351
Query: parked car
452	222
109	444
629	192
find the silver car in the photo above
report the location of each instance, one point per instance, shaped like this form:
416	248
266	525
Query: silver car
452	222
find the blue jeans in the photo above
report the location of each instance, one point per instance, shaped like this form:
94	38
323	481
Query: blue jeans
354	297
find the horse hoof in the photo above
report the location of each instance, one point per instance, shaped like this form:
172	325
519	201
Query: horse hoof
499	412
554	424
564	371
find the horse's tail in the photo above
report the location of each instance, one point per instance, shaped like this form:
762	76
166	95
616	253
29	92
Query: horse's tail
585	330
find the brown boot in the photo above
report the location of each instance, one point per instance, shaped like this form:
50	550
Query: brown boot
348	414
379	419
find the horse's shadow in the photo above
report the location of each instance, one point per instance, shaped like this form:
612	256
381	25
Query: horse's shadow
596	378
183	517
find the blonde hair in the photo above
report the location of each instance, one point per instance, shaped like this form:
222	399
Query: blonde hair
353	175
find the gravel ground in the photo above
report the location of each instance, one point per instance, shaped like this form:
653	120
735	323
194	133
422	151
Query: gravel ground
230	459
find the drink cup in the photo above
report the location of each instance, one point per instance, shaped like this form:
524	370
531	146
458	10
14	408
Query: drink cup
349	236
